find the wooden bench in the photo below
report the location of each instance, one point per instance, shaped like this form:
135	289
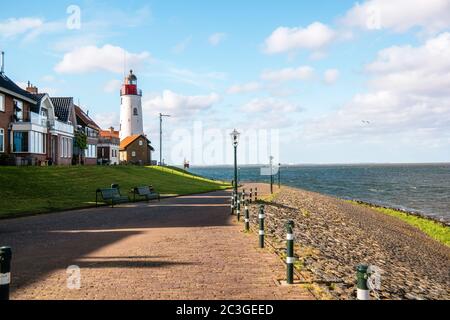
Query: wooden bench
146	191
110	195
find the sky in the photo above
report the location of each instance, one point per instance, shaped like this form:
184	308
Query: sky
305	81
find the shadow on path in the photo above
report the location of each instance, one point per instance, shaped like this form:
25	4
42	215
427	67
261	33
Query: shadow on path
42	244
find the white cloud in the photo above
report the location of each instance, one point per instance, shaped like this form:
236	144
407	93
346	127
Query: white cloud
269	105
91	58
14	27
244	88
288	74
315	37
216	38
408	98
107	120
180	105
112	86
331	76
182	46
400	15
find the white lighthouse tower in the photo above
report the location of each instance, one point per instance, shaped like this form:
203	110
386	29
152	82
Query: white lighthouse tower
131	121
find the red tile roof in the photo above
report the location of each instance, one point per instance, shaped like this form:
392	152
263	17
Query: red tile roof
109	134
129	140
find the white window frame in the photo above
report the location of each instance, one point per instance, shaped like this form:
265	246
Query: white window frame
133	154
2	102
2	140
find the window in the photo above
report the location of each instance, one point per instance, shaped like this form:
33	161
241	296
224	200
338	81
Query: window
20	141
141	143
2	140
66	147
18	110
91	151
135	112
37	143
133	154
2	102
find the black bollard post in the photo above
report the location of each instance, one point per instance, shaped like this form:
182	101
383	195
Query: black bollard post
251	195
261	226
239	207
232	204
247	217
256	194
5	272
290	252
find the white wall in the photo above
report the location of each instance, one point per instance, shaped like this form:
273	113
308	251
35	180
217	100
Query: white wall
129	123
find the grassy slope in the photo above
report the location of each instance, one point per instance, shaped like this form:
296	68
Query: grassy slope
434	229
33	190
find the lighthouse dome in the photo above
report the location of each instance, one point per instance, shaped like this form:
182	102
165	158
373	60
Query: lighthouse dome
131	79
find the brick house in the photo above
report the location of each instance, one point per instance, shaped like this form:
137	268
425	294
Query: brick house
59	140
28	126
92	131
136	150
61	145
108	147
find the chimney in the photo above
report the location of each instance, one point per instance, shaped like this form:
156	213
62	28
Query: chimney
31	88
111	129
2	71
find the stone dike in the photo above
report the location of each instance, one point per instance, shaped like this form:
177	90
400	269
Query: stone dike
333	237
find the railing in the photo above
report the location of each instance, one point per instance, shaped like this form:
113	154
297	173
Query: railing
61	126
38	119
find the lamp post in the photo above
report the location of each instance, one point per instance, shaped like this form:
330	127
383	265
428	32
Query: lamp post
235	139
160	137
271	174
279	175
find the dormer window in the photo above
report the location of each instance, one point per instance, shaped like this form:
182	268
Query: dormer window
18	110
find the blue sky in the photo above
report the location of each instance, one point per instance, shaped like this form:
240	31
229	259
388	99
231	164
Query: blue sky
339	82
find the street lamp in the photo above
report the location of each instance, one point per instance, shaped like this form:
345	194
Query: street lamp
271	174
279	175
235	140
160	137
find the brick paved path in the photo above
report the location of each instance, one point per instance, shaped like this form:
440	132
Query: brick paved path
182	248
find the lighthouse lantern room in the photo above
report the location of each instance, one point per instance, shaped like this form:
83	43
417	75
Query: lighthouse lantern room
131	120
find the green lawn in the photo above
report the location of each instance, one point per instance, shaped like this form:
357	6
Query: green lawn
31	190
434	229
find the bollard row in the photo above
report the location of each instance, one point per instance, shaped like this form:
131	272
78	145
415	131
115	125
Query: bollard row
363	290
5	272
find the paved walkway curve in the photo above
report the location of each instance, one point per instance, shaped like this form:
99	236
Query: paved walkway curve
182	248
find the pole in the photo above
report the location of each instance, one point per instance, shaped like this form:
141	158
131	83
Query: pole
235	171
271	175
160	139
290	252
5	272
261	226
362	287
232	203
279	176
247	217
239	207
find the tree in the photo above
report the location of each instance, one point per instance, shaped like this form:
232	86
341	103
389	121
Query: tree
80	142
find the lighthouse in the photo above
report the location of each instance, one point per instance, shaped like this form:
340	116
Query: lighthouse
131	121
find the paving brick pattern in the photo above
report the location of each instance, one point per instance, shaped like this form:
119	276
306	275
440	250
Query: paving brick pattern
182	248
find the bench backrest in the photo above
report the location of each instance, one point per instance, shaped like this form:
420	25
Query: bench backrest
109	193
143	190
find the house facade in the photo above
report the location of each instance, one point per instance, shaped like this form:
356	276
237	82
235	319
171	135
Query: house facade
136	150
108	147
86	125
28	125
